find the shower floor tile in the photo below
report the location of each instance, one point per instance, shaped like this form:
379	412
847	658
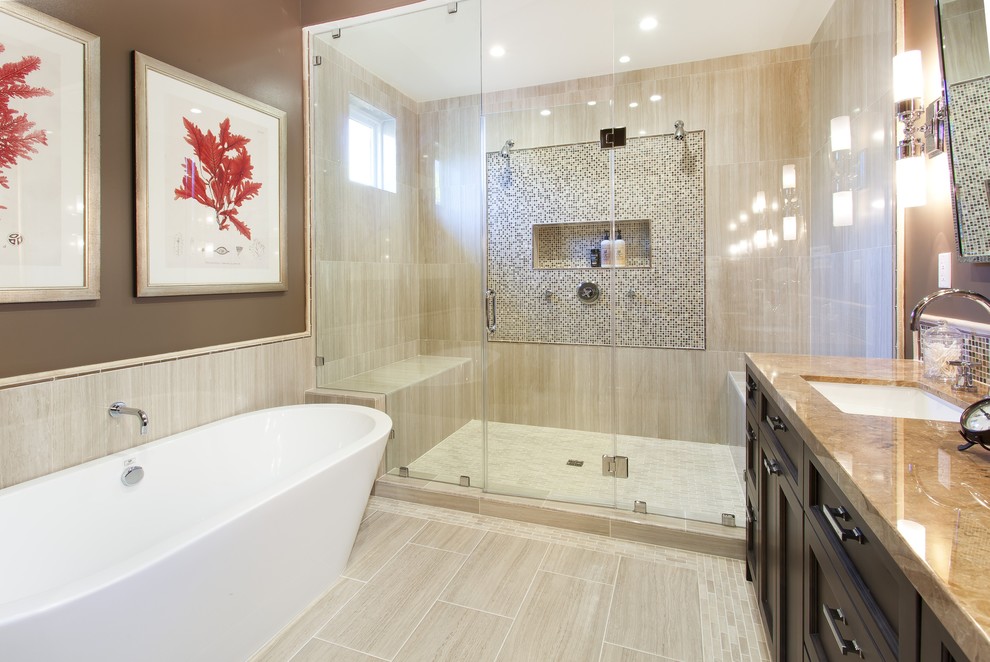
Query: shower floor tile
687	479
585	597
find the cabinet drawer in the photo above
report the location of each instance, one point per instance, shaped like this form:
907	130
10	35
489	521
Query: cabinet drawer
834	629
873	579
752	393
788	445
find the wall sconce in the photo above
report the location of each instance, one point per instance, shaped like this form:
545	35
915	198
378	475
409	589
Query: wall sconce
910	169
843	179
788	181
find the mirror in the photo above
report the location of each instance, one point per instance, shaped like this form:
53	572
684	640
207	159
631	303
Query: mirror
966	71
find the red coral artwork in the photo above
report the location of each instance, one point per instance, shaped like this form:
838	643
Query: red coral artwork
220	178
18	137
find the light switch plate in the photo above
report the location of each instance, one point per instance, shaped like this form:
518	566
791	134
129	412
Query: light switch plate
945	269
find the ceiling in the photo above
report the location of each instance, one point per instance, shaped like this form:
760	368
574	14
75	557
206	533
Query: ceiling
430	54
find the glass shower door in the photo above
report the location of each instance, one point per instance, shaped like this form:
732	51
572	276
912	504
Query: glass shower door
397	224
548	207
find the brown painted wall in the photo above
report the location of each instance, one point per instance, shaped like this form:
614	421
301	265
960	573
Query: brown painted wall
251	46
929	230
315	12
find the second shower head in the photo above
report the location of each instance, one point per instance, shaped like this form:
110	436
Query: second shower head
509	144
679	133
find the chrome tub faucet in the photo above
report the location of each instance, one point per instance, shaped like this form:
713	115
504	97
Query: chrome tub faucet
119	409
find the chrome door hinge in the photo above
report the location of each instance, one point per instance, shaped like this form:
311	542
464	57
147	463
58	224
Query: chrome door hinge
317	60
615	465
319	361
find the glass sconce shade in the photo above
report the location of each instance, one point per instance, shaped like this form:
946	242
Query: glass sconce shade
908	81
842	208
912	181
841	133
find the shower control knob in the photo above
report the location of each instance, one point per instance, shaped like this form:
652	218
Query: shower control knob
589	292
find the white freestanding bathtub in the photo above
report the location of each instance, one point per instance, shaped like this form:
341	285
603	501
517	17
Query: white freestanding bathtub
236	527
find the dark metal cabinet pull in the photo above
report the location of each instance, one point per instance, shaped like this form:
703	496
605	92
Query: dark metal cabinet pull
772	466
750	388
750	434
776	423
842	533
845	646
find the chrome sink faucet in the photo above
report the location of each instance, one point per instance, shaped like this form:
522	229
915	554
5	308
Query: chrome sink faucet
938	294
119	409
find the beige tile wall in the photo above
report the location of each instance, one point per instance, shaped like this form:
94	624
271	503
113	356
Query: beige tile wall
852	268
58	423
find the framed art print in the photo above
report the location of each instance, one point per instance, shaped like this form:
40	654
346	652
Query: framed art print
210	186
49	158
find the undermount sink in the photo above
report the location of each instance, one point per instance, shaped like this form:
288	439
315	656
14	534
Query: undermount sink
887	400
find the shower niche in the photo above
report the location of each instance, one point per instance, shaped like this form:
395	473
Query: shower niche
568	245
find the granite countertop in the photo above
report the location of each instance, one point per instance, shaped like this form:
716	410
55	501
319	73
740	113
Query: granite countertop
897	469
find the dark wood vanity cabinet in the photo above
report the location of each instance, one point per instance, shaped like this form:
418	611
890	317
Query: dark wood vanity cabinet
827	590
936	643
775	532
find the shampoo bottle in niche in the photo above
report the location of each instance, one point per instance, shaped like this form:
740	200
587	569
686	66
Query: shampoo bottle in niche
606	251
619	248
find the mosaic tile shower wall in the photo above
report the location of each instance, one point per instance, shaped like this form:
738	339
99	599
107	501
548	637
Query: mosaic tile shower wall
971	146
659	184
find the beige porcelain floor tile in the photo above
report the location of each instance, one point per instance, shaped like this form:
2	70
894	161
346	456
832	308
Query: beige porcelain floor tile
581	563
612	653
451	633
294	637
497	575
321	651
380	537
657	610
563	618
449	537
380	618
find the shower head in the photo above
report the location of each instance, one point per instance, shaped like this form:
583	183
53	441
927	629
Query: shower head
509	144
679	130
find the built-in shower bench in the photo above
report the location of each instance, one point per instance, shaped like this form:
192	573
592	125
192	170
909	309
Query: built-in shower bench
424	395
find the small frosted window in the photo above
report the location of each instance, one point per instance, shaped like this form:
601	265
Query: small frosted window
371	152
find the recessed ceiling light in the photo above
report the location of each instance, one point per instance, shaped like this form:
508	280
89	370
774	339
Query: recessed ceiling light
624	59
195	110
655	97
642	132
592	103
545	112
497	51
634	104
648	23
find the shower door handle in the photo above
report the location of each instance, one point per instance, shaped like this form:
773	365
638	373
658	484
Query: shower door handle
490	320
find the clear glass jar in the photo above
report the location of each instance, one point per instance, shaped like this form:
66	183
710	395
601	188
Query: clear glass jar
939	345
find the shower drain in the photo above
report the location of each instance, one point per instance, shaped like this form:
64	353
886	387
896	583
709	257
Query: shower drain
575	463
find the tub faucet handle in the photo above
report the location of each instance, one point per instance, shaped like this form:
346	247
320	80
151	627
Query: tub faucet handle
119	408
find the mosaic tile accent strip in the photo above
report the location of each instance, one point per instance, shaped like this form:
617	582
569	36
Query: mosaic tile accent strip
971	159
976	350
658	181
729	612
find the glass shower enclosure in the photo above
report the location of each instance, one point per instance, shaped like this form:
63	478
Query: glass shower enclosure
509	256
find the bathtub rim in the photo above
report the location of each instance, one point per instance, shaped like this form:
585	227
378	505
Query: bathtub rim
54	597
